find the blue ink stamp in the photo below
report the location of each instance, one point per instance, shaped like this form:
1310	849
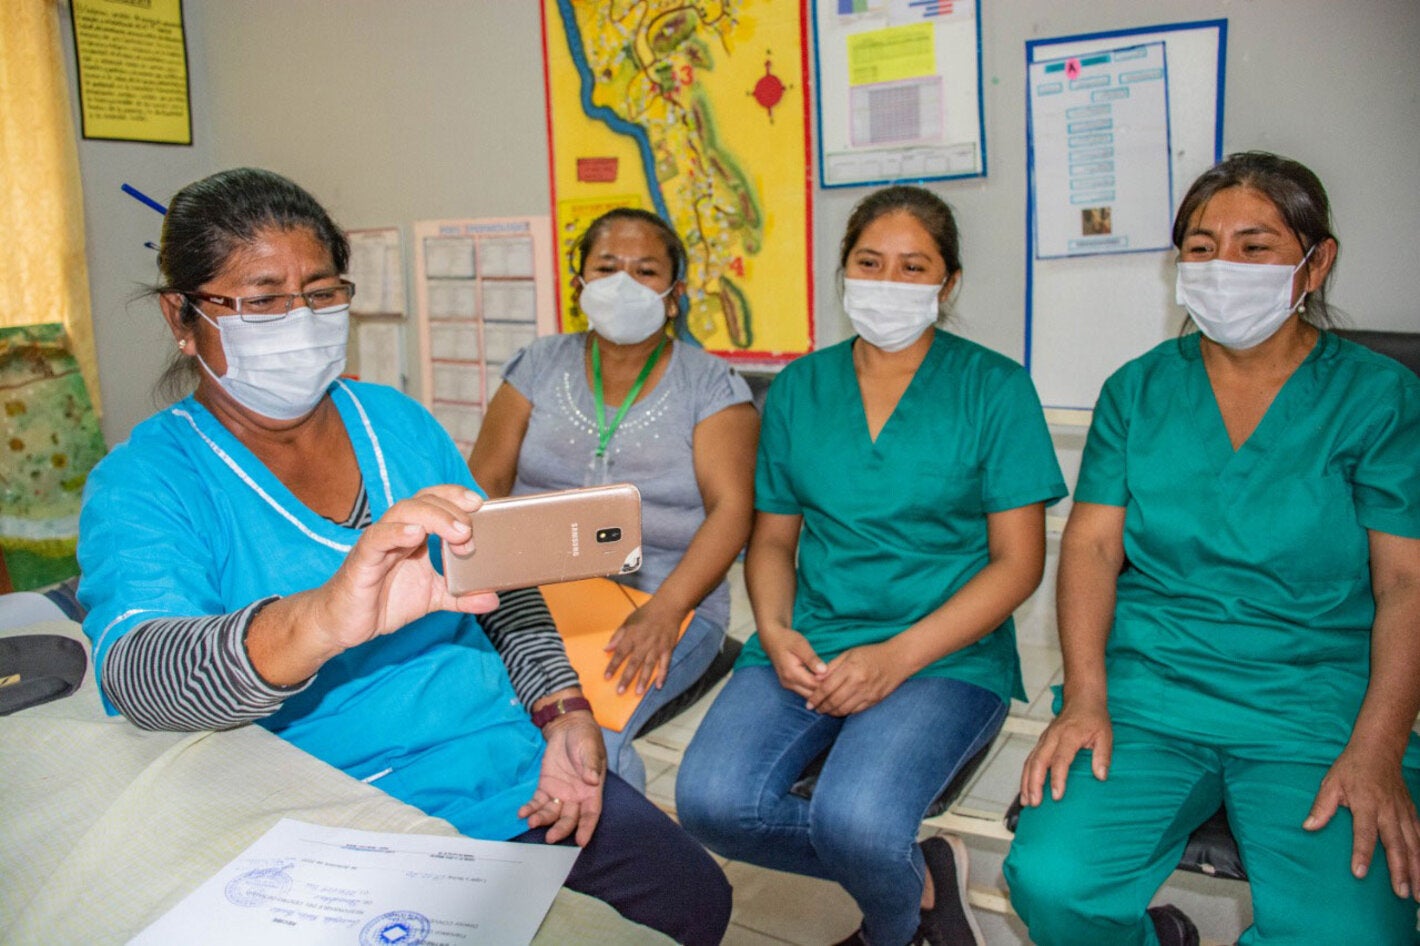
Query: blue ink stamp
396	928
255	887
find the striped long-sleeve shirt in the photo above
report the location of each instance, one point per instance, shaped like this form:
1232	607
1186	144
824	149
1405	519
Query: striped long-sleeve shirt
184	674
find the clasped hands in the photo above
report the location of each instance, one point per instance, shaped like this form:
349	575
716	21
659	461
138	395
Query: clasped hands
855	680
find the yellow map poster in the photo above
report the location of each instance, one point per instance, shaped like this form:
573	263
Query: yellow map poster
697	110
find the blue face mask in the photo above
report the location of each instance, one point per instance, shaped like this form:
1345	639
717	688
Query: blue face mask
281	369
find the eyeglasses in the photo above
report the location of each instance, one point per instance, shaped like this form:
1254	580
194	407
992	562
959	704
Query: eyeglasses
269	308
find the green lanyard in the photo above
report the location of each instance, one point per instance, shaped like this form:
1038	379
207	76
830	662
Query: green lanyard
604	433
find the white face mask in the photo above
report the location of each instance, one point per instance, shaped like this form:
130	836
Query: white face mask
622	310
1238	305
890	315
281	369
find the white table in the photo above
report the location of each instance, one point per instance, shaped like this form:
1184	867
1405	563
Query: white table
103	827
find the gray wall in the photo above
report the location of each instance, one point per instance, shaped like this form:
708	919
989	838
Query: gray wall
391	112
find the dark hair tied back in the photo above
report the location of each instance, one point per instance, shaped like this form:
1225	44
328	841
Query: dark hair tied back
1291	187
675	247
208	220
928	209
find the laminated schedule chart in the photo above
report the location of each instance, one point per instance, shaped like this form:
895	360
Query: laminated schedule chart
1100	160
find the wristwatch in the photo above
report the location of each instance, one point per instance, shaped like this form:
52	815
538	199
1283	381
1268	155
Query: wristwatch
560	707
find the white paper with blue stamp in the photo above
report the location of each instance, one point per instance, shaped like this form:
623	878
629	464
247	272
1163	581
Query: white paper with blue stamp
312	885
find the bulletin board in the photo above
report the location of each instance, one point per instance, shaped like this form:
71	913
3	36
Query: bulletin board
899	91
483	289
1094	301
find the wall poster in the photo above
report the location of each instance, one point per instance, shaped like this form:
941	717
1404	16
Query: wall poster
132	59
697	111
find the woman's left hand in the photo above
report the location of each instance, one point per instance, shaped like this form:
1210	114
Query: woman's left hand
642	648
1370	784
569	788
857	679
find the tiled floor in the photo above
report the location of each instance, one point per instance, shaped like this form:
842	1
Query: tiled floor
778	908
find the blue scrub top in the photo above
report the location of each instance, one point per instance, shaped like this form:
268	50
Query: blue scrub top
184	521
893	527
1243	616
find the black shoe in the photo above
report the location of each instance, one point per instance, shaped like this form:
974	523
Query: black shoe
1173	926
950	921
858	939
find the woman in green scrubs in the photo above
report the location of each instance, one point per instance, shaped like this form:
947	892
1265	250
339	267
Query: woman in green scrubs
899	520
1239	605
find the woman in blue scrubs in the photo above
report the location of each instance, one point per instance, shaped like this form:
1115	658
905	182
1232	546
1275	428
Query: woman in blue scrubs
1239	605
899	495
265	549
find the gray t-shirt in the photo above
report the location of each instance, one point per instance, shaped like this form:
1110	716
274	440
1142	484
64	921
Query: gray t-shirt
652	448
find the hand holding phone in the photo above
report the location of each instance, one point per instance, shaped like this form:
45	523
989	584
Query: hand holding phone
539	538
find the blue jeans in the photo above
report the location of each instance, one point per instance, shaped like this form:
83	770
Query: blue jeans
885	766
693	653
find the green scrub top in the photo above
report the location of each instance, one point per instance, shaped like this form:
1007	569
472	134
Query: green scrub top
1243	616
892	528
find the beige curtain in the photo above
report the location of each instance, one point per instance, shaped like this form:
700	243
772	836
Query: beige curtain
43	277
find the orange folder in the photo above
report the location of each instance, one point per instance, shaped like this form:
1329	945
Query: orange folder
586	613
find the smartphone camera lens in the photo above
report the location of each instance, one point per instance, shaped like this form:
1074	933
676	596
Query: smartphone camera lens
608	535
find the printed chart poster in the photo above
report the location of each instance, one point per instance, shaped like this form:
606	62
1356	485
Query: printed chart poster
132	70
899	84
697	111
1100	152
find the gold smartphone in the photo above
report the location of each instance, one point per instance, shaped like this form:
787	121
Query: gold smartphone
539	538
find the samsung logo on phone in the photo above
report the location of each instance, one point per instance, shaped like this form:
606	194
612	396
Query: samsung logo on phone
576	543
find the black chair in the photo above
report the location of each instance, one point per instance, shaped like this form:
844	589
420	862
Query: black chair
719	668
1211	848
1404	347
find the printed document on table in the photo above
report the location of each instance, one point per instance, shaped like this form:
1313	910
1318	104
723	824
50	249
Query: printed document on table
309	885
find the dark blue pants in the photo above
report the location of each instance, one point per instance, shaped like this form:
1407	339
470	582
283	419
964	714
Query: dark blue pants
642	864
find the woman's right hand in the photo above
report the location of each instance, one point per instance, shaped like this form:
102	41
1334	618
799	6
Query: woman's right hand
1082	724
388	580
799	668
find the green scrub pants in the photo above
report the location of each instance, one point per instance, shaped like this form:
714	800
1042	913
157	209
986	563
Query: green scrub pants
1083	870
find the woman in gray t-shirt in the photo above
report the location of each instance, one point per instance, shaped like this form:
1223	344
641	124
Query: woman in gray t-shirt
625	403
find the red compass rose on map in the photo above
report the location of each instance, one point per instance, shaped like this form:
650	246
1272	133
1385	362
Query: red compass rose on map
769	90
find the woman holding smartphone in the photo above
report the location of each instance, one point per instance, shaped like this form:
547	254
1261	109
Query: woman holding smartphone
265	550
900	495
624	402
